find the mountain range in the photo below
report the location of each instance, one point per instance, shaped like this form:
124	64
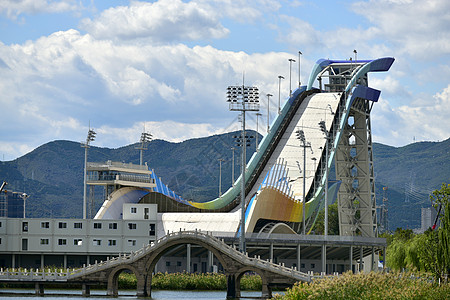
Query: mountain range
52	174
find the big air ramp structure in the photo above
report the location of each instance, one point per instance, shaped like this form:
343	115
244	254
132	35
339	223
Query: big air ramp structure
276	173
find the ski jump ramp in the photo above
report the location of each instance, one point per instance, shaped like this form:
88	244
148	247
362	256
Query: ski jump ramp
275	174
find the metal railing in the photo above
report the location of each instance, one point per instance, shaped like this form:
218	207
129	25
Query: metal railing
207	238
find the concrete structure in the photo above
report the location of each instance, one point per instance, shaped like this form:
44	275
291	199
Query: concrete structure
65	243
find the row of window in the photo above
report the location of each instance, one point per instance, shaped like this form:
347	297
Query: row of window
79	225
76	242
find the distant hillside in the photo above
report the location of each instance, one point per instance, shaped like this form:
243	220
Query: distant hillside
53	173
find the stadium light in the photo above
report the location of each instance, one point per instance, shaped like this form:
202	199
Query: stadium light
90	138
243	98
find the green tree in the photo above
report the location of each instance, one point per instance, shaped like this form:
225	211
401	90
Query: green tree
440	199
333	221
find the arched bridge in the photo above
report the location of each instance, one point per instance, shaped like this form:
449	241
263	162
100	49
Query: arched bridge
143	261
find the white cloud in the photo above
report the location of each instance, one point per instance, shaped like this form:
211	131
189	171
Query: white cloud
417	28
161	21
13	8
55	85
423	119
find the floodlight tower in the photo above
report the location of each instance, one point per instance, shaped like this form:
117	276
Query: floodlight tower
90	138
243	98
301	137
145	139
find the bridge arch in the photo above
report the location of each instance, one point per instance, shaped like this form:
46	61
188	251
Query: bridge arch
153	259
266	292
113	279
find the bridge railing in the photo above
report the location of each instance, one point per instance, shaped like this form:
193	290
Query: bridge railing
33	275
208	238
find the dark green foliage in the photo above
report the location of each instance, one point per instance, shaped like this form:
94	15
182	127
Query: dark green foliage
333	221
191	281
369	286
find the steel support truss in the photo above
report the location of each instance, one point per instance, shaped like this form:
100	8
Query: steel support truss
354	167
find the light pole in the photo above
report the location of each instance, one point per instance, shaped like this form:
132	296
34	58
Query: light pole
232	166
220	176
323	128
268	112
291	60
279	93
356	53
24	197
315	160
299	60
301	136
145	138
243	98
90	138
257	132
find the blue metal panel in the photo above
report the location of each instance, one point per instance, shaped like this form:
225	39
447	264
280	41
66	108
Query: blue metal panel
366	93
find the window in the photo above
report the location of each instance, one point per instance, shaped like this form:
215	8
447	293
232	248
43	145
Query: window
25	226
0	224
112	225
62	225
111	242
77	242
146	210
0	241
133	210
313	266
167	263
97	225
78	225
44	242
62	242
24	244
45	224
152	230
131	242
132	226
97	242
178	263
302	266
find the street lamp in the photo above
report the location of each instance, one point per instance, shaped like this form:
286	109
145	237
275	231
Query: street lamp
356	53
268	112
90	138
145	139
279	93
257	132
291	60
324	130
220	176
24	197
243	98
301	136
299	60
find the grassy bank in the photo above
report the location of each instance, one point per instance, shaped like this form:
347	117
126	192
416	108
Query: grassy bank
369	286
193	281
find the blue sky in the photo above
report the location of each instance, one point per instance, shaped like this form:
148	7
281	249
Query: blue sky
165	65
